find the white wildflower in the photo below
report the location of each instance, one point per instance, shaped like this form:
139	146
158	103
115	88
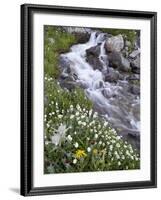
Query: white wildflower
79	122
95	115
118	145
119	163
118	137
113	141
90	112
59	135
89	149
76	145
117	156
99	126
69	138
77	113
82	117
75	161
136	158
78	107
84	123
111	147
72	116
100	142
96	136
105	123
60	116
127	153
132	158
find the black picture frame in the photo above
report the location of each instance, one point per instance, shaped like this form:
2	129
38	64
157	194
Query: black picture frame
27	11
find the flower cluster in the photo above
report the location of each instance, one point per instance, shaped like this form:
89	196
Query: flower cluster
77	139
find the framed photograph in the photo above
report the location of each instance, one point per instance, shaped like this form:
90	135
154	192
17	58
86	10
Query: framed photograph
88	99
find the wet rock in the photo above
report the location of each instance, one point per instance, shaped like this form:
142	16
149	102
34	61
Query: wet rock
134	54
82	37
92	57
125	65
116	60
68	82
113	75
64	62
135	89
107	93
135	65
133	77
115	43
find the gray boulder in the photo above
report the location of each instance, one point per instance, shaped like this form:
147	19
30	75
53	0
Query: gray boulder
115	43
92	57
117	60
112	75
125	65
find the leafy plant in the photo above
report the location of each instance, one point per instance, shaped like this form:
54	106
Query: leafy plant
56	41
77	139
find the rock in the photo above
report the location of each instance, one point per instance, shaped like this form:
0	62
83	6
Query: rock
115	43
64	62
114	59
133	77
134	54
135	65
125	65
106	93
82	37
135	89
71	29
68	82
92	57
117	60
112	75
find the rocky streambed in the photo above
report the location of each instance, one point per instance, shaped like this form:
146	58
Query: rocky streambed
110	76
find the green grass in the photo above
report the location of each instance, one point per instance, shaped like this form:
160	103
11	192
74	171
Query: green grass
77	139
56	41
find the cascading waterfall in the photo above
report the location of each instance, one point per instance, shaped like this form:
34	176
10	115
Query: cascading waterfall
111	100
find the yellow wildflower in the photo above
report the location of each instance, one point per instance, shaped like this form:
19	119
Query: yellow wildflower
80	153
95	151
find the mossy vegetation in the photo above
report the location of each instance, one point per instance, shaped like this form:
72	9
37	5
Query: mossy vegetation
56	41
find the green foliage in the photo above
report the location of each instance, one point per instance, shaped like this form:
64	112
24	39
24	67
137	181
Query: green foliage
56	41
77	139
